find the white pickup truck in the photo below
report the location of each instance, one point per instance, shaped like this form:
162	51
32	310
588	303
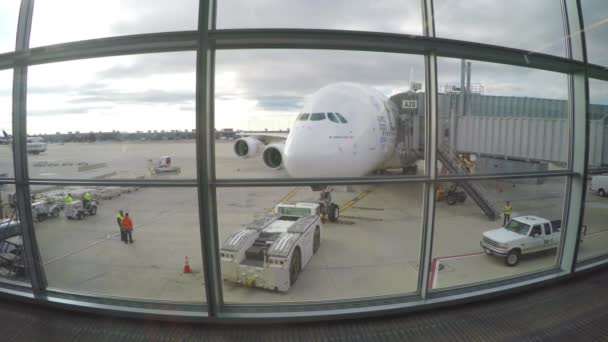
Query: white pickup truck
522	235
271	251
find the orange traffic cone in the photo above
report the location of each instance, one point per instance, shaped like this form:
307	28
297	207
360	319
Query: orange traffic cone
187	267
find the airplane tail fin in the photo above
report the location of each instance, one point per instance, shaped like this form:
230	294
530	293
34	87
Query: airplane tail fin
5	134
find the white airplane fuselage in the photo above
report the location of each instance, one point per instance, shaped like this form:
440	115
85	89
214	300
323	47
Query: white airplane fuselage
343	130
356	148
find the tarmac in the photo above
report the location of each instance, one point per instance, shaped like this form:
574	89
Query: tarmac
374	249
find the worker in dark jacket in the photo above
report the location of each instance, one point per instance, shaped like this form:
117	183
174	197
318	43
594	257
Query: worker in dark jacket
119	218
127	226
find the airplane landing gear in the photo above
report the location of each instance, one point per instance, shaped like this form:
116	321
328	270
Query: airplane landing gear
328	208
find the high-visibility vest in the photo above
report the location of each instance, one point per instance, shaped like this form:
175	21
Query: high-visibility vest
87	196
507	209
68	199
127	224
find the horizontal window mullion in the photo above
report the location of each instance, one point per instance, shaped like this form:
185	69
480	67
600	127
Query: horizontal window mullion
116	182
388	42
103	47
314	182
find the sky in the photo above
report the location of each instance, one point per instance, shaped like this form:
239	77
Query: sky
257	89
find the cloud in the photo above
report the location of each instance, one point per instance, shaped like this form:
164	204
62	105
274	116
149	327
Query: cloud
290	75
397	16
119	97
151	64
286	103
64	111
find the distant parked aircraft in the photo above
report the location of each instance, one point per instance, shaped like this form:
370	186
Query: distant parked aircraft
5	139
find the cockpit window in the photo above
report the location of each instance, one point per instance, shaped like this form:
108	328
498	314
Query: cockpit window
317	116
303	116
342	119
332	117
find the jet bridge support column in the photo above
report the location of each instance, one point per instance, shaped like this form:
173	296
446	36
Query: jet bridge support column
409	127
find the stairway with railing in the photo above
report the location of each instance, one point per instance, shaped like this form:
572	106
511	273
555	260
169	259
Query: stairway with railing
452	162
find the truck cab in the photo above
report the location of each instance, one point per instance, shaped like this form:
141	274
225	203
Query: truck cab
521	235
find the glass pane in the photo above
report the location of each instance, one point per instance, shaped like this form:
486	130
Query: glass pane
596	30
81	245
115	117
495	118
12	255
6	123
595	221
507	23
9	14
461	225
598	124
397	16
60	21
260	93
371	250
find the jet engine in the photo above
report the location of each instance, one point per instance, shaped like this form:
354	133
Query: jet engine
248	147
273	155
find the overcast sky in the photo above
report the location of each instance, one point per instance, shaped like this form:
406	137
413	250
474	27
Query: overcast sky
259	89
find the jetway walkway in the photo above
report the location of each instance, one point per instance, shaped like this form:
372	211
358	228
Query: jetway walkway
473	189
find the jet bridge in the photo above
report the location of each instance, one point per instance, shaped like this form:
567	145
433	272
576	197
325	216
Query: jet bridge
410	137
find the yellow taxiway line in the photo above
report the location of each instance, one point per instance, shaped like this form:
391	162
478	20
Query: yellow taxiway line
354	200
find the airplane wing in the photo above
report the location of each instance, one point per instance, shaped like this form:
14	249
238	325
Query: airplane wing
265	138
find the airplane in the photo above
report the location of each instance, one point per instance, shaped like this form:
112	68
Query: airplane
34	145
344	130
5	139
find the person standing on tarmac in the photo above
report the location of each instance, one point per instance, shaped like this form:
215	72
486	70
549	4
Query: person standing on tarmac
506	213
119	218
86	199
127	225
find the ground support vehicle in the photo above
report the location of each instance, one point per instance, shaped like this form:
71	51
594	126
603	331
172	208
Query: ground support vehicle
163	166
522	235
9	228
12	263
599	185
452	195
76	210
42	210
270	252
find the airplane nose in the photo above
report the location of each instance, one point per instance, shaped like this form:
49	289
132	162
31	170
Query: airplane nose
307	157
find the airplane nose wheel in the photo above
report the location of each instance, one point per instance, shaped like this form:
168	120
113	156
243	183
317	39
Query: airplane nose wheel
333	212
